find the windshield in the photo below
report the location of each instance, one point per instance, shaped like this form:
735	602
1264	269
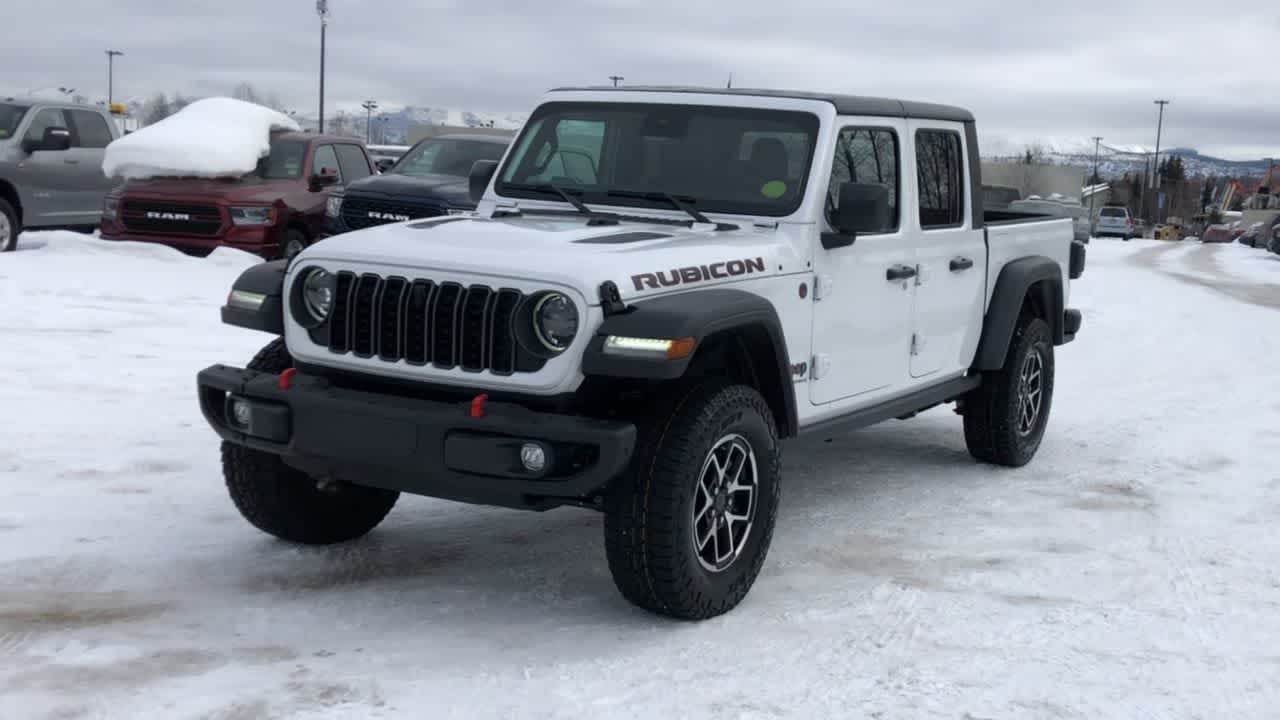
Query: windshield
10	116
284	161
721	159
447	157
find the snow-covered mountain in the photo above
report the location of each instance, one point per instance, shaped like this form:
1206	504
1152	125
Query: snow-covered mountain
1113	160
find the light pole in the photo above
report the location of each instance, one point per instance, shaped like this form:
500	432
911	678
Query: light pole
369	106
111	56
1093	184
616	79
1156	160
322	9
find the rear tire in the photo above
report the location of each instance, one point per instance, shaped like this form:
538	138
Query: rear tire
8	227
689	524
286	502
1005	417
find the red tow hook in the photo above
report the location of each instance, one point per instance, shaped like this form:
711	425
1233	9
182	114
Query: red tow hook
286	378
477	405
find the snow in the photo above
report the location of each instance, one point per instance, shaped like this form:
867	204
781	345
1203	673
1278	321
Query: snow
1128	572
213	137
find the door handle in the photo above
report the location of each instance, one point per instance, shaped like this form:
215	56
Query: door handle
69	161
900	272
961	263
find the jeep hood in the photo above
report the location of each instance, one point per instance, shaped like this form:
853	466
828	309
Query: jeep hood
643	259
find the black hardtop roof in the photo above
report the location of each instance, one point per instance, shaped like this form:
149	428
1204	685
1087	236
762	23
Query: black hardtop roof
844	104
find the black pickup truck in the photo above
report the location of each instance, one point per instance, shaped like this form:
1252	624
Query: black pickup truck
428	181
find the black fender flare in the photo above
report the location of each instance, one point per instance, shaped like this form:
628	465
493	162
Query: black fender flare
1015	279
699	314
262	279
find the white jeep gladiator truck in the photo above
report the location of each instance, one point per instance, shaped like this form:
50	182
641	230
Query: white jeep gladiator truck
658	285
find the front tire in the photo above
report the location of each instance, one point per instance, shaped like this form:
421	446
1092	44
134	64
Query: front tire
8	227
1005	417
294	242
286	502
688	526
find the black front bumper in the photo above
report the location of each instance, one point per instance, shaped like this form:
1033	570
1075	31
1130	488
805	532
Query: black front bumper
424	447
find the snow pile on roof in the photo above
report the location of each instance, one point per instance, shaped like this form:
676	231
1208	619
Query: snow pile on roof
213	137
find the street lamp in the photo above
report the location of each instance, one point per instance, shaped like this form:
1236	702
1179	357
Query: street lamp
369	106
111	56
1093	184
616	79
322	9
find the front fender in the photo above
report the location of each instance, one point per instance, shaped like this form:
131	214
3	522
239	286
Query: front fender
267	280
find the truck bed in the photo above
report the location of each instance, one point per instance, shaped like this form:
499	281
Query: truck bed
1018	235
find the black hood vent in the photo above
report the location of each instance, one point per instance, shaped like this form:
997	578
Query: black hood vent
623	238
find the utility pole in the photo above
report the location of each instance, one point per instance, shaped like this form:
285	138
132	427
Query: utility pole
1156	159
1093	184
729	86
111	56
322	9
369	106
616	79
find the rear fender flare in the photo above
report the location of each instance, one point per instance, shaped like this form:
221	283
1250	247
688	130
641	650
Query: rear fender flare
1015	280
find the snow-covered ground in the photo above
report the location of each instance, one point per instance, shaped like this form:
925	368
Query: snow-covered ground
1129	572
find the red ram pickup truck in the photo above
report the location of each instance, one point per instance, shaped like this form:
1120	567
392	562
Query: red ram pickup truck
274	211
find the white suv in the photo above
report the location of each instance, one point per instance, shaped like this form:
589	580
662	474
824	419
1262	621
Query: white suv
1114	222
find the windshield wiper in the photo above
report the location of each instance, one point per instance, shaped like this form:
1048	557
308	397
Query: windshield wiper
553	189
683	204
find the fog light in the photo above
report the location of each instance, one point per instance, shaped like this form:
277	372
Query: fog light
533	457
241	413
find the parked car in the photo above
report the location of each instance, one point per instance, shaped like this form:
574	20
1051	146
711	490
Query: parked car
51	166
1274	244
1220	233
384	156
1254	236
274	211
657	285
1115	222
430	180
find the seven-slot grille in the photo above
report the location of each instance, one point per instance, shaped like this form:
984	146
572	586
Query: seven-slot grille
150	216
356	212
419	321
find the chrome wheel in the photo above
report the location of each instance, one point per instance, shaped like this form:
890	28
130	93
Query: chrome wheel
5	230
725	506
1030	392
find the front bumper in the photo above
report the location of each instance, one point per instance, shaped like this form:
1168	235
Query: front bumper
418	446
258	240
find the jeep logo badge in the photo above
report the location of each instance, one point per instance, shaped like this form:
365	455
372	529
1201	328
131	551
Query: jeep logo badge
153	215
388	216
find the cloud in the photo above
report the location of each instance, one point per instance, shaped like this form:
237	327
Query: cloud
1081	68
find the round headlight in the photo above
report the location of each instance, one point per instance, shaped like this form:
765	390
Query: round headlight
317	294
555	321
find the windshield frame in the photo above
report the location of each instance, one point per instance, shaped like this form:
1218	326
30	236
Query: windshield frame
421	147
19	116
803	120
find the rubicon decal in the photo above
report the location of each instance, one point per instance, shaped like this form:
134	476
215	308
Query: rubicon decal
697	273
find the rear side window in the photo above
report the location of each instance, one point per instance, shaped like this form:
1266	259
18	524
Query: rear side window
47	118
325	158
939	168
1114	212
867	156
351	161
91	129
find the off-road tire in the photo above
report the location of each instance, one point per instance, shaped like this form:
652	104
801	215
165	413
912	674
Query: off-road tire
649	523
9	239
285	502
992	412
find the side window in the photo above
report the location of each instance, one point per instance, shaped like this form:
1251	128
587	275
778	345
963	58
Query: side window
44	119
325	158
91	129
352	163
866	156
940	170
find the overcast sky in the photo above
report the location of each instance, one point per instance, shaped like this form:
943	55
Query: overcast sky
1081	68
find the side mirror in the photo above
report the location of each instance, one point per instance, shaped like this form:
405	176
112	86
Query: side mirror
55	139
863	208
323	179
481	173
384	164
